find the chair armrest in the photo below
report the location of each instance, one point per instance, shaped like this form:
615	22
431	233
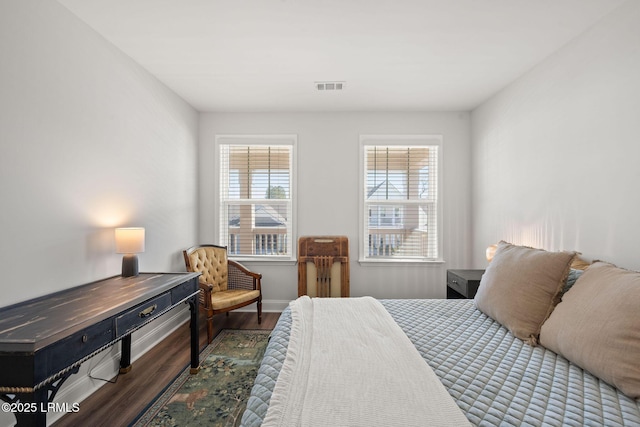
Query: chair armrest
241	277
205	294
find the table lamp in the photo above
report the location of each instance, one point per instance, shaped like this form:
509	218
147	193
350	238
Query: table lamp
491	251
129	241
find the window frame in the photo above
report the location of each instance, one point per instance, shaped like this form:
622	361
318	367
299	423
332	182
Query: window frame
416	140
290	140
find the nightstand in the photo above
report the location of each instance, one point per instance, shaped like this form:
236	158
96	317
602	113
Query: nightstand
463	284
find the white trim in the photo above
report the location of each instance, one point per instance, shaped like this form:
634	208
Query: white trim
402	261
268	306
399	140
261	139
269	259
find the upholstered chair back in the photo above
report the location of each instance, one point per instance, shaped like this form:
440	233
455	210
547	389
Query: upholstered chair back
211	261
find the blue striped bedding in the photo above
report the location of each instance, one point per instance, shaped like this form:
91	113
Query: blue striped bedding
495	378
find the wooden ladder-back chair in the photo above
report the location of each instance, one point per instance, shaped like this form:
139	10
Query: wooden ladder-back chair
225	285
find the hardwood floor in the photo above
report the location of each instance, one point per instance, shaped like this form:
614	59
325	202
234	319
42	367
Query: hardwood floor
118	404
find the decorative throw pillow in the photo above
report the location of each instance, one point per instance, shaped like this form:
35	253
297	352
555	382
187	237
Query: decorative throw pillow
597	326
521	286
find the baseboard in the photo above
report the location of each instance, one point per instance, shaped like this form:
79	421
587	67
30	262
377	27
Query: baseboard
268	306
107	363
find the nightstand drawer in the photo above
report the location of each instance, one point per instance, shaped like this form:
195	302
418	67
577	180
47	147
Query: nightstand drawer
456	283
463	283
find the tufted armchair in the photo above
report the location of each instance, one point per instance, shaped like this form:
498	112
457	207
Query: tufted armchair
225	285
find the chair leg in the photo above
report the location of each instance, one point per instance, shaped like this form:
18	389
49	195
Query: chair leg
259	312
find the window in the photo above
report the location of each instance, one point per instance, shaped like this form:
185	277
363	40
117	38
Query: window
400	214
256	193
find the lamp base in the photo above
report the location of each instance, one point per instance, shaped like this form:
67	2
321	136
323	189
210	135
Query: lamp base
129	265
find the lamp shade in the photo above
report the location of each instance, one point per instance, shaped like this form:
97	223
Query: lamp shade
129	240
491	251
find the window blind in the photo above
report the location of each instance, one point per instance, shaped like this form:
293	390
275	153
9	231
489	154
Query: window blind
401	201
255	199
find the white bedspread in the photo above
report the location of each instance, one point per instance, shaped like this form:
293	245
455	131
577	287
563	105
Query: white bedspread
349	364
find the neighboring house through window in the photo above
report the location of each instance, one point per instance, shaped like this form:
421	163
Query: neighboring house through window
401	198
255	196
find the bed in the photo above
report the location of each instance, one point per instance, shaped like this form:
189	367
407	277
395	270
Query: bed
494	377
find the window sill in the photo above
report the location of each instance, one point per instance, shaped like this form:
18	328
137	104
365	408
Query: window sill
389	261
264	260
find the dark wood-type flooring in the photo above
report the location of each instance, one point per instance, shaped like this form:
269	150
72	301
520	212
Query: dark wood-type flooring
118	404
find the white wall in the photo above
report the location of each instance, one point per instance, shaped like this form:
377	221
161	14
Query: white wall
88	141
328	192
555	154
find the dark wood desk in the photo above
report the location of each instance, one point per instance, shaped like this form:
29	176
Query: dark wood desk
43	341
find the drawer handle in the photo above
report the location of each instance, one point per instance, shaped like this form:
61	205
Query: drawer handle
148	311
455	282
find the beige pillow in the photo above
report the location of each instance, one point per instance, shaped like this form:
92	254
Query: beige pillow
597	326
521	286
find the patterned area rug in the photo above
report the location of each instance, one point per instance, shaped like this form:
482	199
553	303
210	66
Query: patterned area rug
217	395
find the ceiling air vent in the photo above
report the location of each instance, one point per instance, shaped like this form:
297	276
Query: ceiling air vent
329	85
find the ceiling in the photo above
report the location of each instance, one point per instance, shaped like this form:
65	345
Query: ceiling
393	55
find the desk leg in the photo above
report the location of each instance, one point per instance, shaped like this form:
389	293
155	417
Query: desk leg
34	405
30	409
195	334
125	354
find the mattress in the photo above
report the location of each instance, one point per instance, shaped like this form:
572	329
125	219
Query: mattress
495	378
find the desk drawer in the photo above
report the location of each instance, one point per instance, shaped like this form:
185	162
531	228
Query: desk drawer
140	314
64	353
184	290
